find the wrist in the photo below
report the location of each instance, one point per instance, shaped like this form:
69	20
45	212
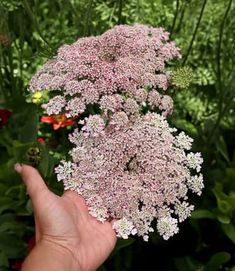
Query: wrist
48	255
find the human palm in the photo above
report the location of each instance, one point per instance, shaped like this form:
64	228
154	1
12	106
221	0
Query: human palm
65	222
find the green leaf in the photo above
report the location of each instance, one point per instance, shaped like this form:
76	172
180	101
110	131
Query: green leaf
14	191
12	246
20	151
186	126
225	203
224	206
229	230
6	203
10	224
216	261
13	227
199	214
223	218
44	163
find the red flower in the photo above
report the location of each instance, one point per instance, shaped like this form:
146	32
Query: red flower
58	121
4	116
41	140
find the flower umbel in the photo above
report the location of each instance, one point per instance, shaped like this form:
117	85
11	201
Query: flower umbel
182	77
115	71
127	162
134	171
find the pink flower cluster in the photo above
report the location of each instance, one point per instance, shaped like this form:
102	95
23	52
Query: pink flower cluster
121	70
127	163
137	174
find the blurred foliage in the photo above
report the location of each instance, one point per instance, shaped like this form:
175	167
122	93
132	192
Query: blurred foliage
32	30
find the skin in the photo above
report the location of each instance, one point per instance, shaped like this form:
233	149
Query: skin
67	236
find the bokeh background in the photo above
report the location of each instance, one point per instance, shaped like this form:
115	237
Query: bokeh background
31	31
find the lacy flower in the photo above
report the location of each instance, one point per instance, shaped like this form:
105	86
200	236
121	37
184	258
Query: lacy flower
127	162
140	173
115	69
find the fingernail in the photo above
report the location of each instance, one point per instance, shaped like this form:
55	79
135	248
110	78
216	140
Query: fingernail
18	168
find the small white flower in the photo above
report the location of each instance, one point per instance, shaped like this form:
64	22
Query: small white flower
64	170
100	213
195	183
183	210
194	160
124	228
167	227
183	141
146	238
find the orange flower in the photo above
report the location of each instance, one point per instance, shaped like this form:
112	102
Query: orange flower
58	121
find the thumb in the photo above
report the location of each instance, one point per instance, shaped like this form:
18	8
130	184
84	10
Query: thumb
33	181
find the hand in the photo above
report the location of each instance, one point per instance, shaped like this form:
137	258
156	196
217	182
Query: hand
64	228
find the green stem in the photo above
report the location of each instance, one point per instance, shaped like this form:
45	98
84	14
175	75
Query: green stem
221	110
36	25
195	32
119	12
218	56
75	13
73	9
182	12
88	15
138	10
175	16
112	13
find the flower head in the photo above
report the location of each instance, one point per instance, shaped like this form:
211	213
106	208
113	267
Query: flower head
133	171
127	162
124	228
114	71
182	77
